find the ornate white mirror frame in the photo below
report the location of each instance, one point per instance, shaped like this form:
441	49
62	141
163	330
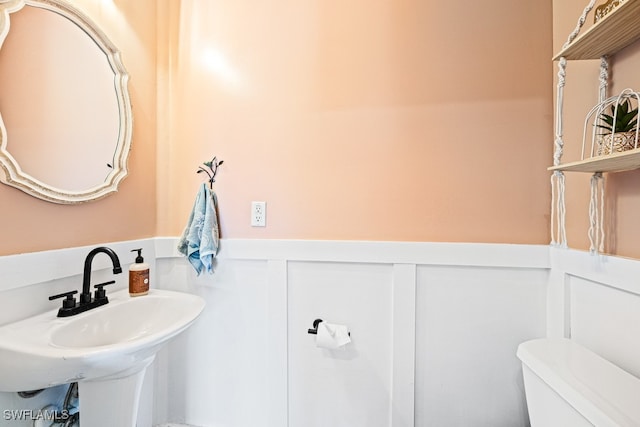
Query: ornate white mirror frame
11	172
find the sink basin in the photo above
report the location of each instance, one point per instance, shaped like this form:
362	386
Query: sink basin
109	342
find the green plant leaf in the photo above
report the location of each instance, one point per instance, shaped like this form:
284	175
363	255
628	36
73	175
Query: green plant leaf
623	107
621	117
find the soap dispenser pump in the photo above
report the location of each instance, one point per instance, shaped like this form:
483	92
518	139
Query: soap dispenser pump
138	276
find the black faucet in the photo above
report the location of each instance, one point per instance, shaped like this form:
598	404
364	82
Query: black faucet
69	305
85	296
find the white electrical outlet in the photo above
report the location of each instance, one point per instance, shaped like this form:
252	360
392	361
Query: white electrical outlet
258	214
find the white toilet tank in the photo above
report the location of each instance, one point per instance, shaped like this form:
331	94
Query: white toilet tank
568	385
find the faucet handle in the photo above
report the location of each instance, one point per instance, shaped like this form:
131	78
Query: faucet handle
100	292
69	301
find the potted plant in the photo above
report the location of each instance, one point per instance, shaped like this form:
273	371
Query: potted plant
619	125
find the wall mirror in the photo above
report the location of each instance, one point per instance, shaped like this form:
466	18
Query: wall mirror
65	111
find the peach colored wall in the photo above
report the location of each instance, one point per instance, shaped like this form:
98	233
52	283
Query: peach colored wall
581	94
29	224
363	120
386	120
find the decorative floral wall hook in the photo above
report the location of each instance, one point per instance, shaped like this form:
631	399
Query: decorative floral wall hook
213	167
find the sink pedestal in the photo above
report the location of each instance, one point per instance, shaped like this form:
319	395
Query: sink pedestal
112	401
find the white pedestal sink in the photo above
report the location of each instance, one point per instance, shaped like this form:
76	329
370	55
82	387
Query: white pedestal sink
106	350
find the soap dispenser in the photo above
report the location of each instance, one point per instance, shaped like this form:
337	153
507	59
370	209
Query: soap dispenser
138	276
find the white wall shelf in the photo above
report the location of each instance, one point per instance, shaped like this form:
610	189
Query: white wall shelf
616	162
614	32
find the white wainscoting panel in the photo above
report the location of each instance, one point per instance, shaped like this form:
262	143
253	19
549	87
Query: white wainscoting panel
277	333
434	329
404	345
351	386
448	316
470	321
217	373
474	304
597	303
607	320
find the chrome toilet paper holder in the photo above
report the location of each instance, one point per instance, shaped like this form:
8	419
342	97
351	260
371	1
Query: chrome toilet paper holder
314	330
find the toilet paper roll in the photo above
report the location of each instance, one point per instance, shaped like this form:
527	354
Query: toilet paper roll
332	336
